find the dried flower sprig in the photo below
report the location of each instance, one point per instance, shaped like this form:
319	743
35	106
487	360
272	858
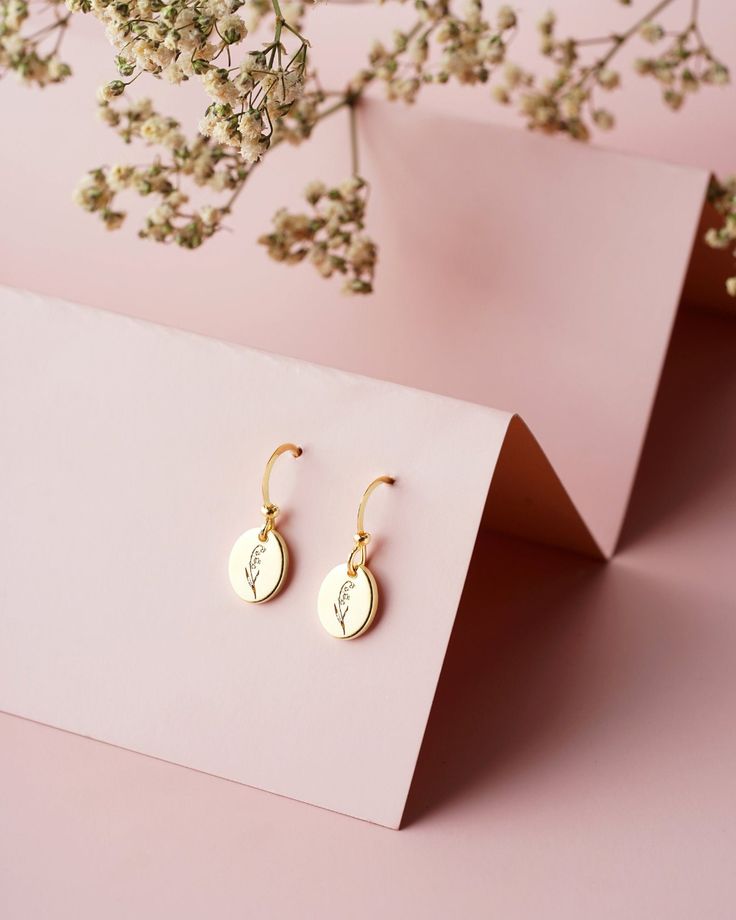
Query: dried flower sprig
441	46
205	163
722	195
684	65
566	101
331	236
179	167
187	39
31	49
261	96
265	99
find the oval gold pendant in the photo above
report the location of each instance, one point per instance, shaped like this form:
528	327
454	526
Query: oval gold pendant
257	568
347	604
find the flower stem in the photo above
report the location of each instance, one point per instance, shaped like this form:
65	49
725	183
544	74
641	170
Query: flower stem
354	136
276	44
335	107
619	40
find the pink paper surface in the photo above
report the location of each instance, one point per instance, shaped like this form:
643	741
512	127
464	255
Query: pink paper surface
579	762
545	279
131	461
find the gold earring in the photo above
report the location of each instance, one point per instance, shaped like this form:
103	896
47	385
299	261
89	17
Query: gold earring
259	560
348	597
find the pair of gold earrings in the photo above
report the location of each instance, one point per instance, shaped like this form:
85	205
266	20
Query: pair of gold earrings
259	562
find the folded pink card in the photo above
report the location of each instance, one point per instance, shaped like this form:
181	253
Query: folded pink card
131	460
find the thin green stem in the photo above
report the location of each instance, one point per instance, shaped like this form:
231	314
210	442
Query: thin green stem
354	138
619	40
49	27
602	40
276	44
293	31
335	107
633	29
325	113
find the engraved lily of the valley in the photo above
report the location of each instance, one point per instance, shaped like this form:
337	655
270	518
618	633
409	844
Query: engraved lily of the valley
342	606
253	567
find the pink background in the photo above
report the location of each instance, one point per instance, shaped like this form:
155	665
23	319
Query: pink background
580	758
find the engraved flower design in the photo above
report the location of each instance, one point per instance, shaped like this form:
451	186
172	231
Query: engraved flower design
252	569
342	605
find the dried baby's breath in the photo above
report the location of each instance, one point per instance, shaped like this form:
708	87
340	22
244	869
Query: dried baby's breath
31	35
722	195
199	162
568	99
441	46
257	94
202	40
331	235
179	168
